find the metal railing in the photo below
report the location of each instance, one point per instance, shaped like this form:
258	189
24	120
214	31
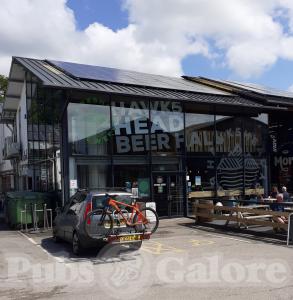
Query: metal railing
35	216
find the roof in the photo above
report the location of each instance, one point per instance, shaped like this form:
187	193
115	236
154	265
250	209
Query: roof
260	93
54	74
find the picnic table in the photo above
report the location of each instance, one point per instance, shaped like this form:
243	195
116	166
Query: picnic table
259	213
245	214
288	209
269	199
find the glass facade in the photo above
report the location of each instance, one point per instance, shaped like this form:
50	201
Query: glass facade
89	129
165	149
43	134
281	151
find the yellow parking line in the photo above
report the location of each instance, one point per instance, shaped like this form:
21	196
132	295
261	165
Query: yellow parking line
196	243
159	248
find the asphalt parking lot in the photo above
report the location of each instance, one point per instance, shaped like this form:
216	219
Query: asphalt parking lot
180	261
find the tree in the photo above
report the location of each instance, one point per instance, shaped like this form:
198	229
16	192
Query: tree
3	86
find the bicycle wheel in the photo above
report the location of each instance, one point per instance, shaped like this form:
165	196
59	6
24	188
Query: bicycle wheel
152	220
98	224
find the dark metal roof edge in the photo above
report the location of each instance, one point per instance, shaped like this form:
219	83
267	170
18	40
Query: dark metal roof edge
19	60
47	83
257	107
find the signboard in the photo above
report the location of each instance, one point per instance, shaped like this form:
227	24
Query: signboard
143	187
197	180
160	179
43	174
73	184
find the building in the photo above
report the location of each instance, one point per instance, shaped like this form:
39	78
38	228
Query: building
6	168
280	140
81	126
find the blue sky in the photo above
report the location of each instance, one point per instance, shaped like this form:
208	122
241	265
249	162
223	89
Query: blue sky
111	14
243	40
107	12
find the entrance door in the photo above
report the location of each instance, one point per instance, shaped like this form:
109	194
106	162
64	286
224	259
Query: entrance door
168	194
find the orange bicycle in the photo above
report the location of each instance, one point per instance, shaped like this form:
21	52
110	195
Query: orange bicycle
143	220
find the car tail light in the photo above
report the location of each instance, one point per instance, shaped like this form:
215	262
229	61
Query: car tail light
88	209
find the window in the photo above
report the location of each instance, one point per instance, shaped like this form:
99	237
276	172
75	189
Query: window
93	175
200	132
99	202
130	126
89	129
228	136
167	127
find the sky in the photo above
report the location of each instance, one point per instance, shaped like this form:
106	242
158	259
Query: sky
242	40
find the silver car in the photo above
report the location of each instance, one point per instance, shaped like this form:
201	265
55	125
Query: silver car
69	224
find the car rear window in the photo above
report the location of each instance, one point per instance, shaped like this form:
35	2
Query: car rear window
99	201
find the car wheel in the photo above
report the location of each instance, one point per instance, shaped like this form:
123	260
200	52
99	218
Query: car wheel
76	246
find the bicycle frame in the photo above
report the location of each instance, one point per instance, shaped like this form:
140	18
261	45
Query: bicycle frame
135	210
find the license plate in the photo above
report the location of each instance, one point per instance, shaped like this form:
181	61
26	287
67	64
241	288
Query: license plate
129	238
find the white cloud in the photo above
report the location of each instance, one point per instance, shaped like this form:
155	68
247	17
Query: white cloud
249	36
246	31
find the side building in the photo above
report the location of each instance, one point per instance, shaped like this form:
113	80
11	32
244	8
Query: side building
7	174
81	126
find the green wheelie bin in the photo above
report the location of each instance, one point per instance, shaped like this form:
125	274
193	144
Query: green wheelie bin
16	202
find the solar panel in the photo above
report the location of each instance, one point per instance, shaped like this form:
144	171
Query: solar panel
260	89
97	73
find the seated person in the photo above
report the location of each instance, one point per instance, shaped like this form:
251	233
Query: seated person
276	207
286	196
274	192
253	198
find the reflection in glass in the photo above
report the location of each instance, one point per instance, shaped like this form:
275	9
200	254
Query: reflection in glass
167	127
201	175
199	130
228	135
281	137
93	176
256	177
89	129
130	125
133	176
255	136
230	176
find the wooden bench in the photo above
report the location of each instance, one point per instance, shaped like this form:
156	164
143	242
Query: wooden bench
240	214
